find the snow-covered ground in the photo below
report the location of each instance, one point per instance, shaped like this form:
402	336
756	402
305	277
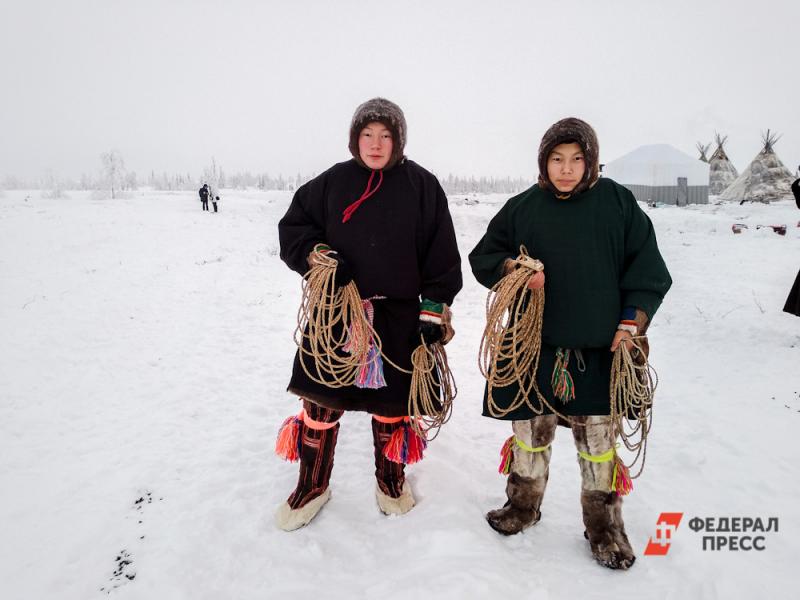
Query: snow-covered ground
145	351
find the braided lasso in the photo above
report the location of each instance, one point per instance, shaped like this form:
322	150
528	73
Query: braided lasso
511	346
337	358
512	339
633	384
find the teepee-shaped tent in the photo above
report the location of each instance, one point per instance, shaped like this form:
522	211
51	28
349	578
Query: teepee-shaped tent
723	173
765	179
703	150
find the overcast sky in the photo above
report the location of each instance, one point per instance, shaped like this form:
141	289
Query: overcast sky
271	86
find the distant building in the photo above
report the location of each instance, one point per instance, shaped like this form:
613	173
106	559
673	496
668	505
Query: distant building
661	173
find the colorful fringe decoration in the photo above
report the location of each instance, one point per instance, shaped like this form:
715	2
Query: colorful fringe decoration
507	454
287	446
506	457
405	446
621	482
563	386
370	373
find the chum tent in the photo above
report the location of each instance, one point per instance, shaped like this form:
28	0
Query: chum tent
723	173
765	179
703	150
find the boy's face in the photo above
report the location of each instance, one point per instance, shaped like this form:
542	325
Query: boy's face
566	166
375	145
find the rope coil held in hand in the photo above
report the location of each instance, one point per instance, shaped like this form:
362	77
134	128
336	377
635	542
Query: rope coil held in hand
338	359
512	339
633	385
511	346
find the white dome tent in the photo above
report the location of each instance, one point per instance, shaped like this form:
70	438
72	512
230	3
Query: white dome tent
661	173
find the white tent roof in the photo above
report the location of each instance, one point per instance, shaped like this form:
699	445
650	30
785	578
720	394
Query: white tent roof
657	165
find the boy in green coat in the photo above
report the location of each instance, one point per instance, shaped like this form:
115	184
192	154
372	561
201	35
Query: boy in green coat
604	279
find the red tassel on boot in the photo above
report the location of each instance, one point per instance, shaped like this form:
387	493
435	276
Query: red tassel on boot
287	446
405	446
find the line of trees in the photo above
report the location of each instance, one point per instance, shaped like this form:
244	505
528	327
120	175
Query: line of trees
484	185
114	178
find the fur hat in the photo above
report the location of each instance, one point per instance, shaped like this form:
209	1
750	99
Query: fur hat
386	112
567	131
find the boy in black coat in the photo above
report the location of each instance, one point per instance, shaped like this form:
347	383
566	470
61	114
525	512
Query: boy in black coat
386	222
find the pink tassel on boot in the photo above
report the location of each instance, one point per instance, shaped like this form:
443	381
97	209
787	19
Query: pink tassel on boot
621	481
506	456
287	446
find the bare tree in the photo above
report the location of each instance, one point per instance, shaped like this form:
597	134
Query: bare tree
113	170
52	186
131	183
211	176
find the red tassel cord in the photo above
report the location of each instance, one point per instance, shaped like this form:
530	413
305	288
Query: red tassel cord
348	212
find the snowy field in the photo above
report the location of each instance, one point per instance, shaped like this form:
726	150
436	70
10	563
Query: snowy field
145	351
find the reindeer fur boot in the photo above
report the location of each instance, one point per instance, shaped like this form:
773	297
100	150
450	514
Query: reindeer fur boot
602	508
527	480
521	510
605	530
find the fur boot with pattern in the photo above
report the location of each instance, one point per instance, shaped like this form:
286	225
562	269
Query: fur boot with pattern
393	492
318	434
530	468
602	508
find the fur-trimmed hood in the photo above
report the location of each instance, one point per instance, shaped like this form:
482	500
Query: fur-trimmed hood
386	112
567	131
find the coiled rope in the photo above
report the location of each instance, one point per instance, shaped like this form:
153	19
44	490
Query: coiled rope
512	339
429	410
633	385
511	346
337	358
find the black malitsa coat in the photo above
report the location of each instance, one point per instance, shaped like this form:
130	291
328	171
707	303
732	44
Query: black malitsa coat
401	247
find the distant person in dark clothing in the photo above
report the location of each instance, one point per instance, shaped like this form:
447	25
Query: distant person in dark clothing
204	196
214	202
793	301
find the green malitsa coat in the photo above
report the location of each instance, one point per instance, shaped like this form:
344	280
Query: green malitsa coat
600	255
